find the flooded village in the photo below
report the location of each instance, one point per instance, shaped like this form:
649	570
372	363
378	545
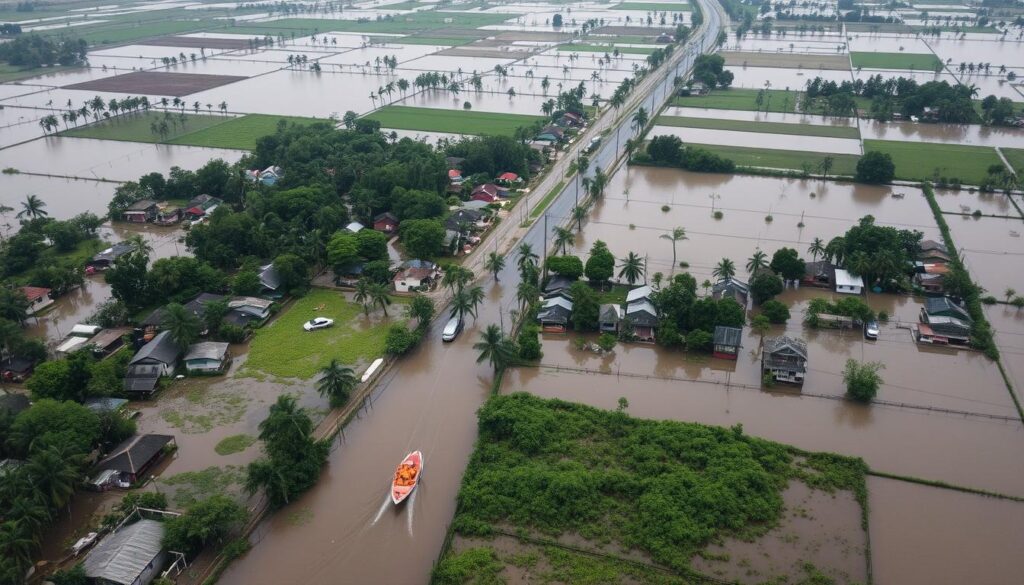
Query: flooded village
678	291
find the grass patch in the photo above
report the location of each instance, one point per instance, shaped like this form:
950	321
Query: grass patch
844	164
910	61
537	211
197	407
606	49
548	468
1015	156
615	295
240	133
653	7
284	349
775	100
454	121
12	73
922	161
762	127
136	127
192	486
234	444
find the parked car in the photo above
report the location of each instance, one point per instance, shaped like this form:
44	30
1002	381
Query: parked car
317	323
451	329
871	329
594	143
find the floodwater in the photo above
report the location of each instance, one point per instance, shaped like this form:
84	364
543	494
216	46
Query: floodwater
963	201
746	115
992	249
761	139
923	535
64	198
974	134
781	78
481	101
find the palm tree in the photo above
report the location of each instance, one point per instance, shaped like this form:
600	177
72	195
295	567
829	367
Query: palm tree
674	236
632	268
336	383
1009	294
495	263
33	207
826	165
724	270
54	475
139	245
362	295
494	347
758	261
816	248
16	546
379	297
563	237
835	250
476	297
182	324
578	215
598	183
422	309
526	293
640	119
461	304
456	277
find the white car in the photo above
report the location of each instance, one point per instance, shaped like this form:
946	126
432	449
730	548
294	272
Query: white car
317	323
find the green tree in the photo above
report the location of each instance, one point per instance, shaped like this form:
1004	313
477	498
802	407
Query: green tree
786	263
570	267
246	283
379	297
764	286
294	272
422	309
205	522
68	425
600	266
128	282
758	261
423	238
526	256
33	208
817	248
362	295
586	308
183	325
632	268
862	379
724	270
563	238
875	168
675	236
495	348
343	250
294	459
639	120
336	383
775	311
760	325
54	474
494	264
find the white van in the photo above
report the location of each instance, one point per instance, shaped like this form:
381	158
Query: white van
451	329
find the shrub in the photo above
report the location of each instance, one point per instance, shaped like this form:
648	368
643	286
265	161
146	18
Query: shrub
231	333
400	339
718	215
775	311
765	286
606	341
529	342
666	208
875	167
862	379
698	340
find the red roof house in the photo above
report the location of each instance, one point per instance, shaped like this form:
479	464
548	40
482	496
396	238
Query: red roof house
38	298
386	222
508	176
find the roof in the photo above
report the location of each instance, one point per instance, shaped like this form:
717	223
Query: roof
104	404
462	215
845	278
557	302
639	293
387	215
928	245
108	337
947	325
71	344
728	335
508	176
16	364
269	277
123	555
203	201
454	173
113	253
141	205
793	344
141	378
642	312
198	305
936	305
610	313
417	263
258	303
557	283
133	454
14	403
355	227
414	274
474	204
207	350
731	286
32	293
160	349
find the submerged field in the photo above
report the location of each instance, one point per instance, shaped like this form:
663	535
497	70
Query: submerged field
909	61
453	121
765	127
843	164
916	161
773	100
646	495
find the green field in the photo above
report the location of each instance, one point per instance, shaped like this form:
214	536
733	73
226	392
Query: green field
918	161
284	349
606	49
776	100
454	121
12	73
653	7
843	164
539	209
913	61
763	127
1015	156
197	130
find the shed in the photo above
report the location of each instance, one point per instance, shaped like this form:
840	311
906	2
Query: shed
609	317
109	340
727	342
952	329
106	258
784	359
643	318
70	345
270	280
141	211
355	227
944	307
252	307
206	357
132	555
134	456
554	315
848	283
141	379
38	298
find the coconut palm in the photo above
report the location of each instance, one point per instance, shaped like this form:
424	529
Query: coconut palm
640	118
526	255
32	207
336	383
54	475
835	250
817	248
495	348
476	298
29	513
674	236
578	215
598	183
379	297
456	277
1009	294
526	293
724	270
461	304
632	268
16	546
182	325
563	237
494	264
758	261
362	294
139	245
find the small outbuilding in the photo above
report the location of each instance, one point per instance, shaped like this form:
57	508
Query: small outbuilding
38	298
554	315
944	307
727	342
131	555
133	457
141	211
848	283
731	288
386	222
411	279
643	318
106	258
355	227
207	357
609	317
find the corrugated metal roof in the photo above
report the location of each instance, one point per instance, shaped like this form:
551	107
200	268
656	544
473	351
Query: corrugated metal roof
122	556
207	350
161	349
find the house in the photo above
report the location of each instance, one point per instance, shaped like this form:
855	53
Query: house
820	273
270	280
16	369
413	279
455	176
417	263
454	162
155	359
730	288
848	283
609	317
201	206
13	404
268	176
572	119
101	405
487	192
727	342
642	318
944	307
38	298
168	214
141	211
108	341
77	339
206	357
460	219
108	257
784	359
557	283
944	330
933	252
355	227
133	457
141	380
475	205
131	555
509	177
640	293
245	310
554	315
386	222
931	283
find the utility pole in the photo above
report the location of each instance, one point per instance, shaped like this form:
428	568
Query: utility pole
545	267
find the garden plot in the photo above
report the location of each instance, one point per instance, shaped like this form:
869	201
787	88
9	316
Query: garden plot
451	120
964	202
66	76
990	246
527	104
995	52
901	61
208	43
797	45
157	83
779	78
56	98
245	65
888	44
281	55
817	144
575	74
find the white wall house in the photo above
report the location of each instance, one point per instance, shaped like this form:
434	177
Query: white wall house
848	283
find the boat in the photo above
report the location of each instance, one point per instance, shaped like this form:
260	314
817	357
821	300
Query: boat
407	476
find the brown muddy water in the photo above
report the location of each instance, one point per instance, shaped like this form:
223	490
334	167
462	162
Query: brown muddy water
993	251
923	535
812	144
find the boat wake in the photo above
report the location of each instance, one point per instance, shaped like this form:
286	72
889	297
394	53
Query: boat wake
380	512
408	514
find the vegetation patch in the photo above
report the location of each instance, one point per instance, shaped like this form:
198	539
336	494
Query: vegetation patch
772	100
653	7
284	349
910	61
666	489
922	161
539	209
797	160
192	486
1014	156
241	133
607	49
201	406
143	127
762	127
234	444
453	121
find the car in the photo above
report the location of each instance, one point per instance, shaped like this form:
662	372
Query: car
317	323
871	330
451	329
594	143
